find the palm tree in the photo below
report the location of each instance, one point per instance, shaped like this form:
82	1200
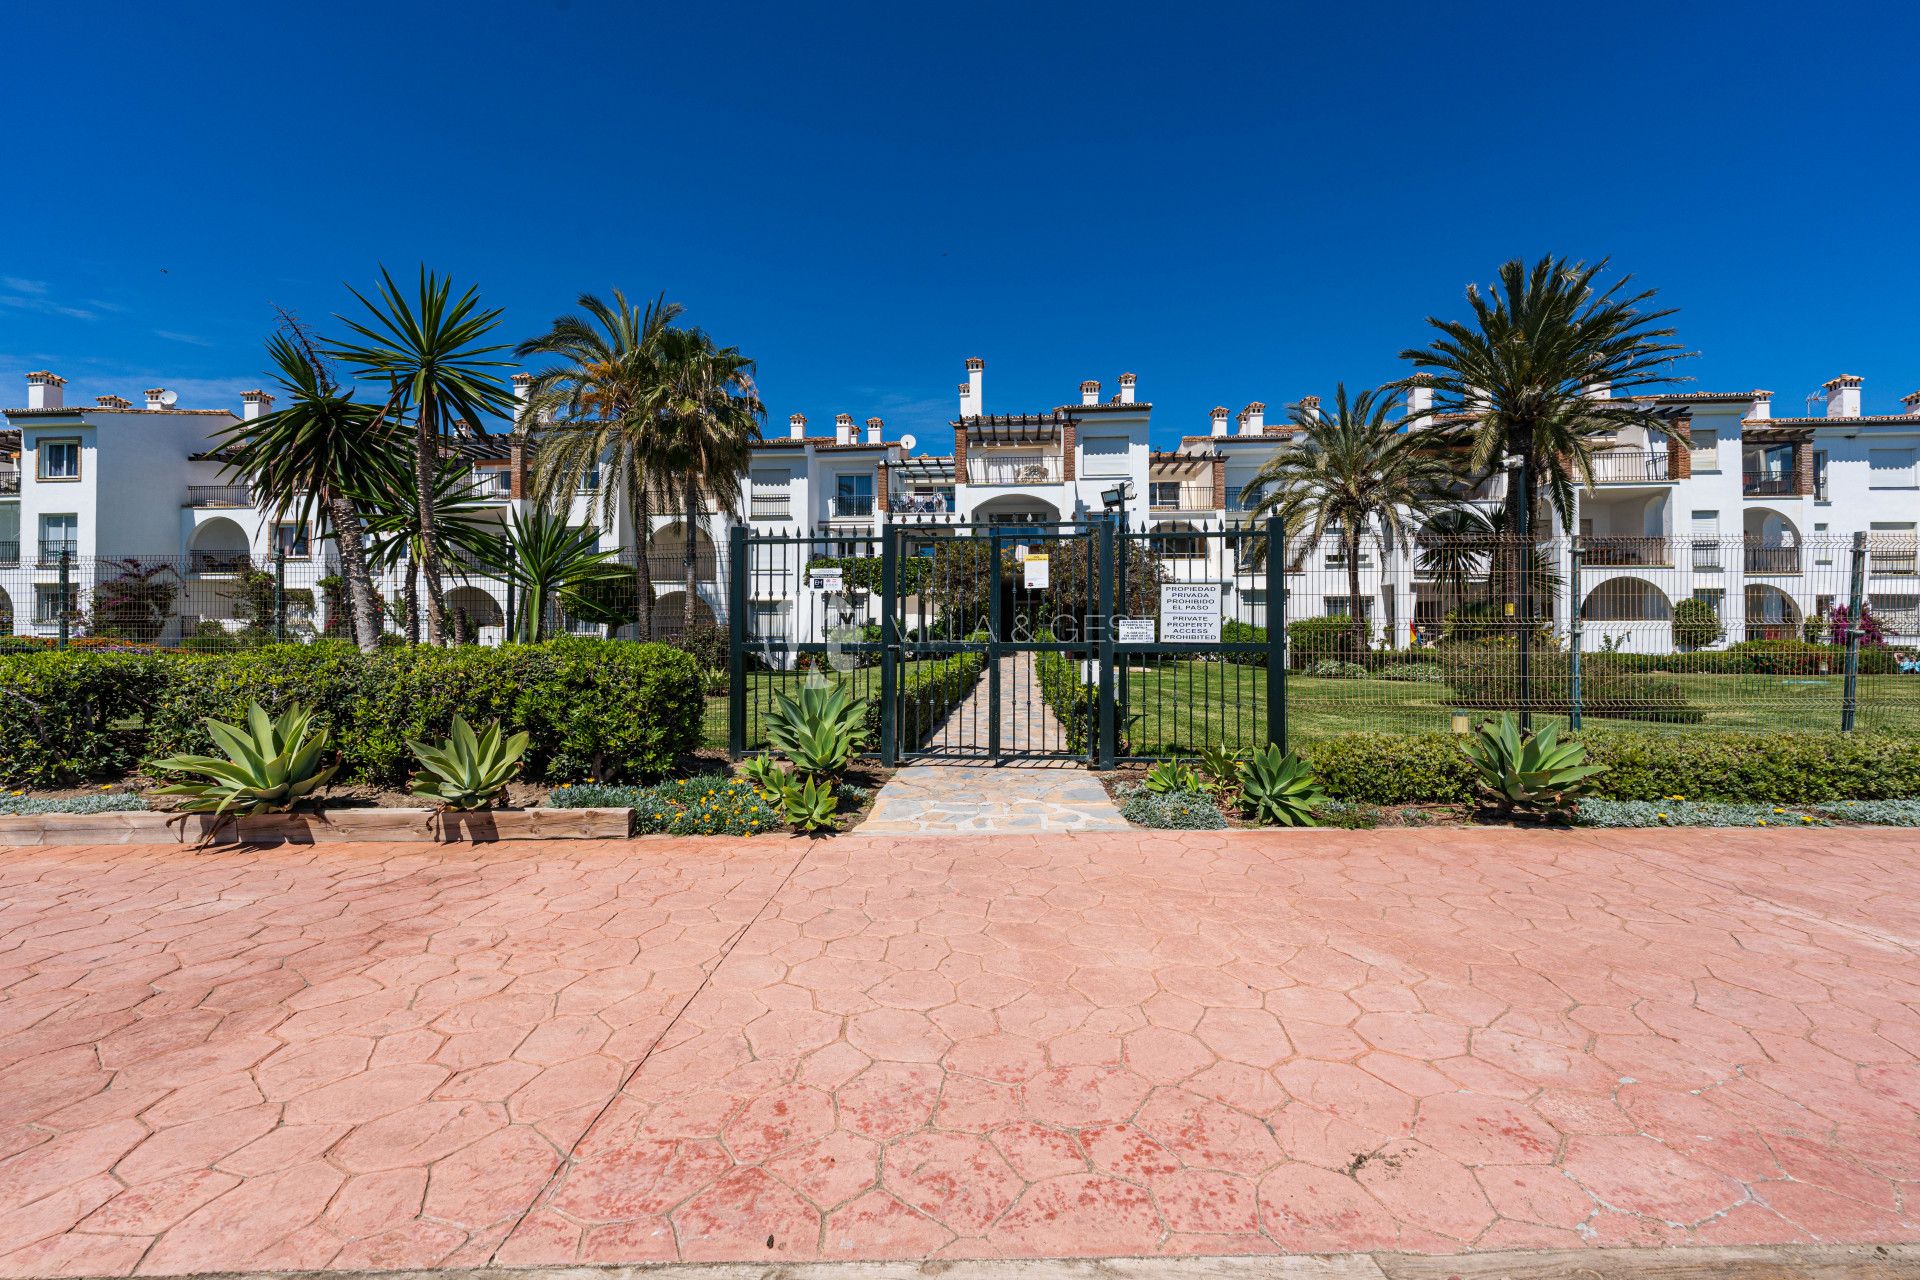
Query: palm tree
428	352
1355	471
462	521
1525	374
1462	543
712	418
599	412
307	455
551	560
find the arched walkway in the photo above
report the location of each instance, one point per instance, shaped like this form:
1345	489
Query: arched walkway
669	615
484	620
1626	599
1773	542
1771	613
1178	540
669	554
217	546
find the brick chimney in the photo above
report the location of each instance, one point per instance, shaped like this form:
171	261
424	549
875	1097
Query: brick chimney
254	404
875	426
1843	396
1219	416
1089	392
796	426
1127	381
44	390
843	428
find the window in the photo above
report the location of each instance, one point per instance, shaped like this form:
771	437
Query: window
1820	492
1890	469
1712	597
59	533
492	482
1896	613
590	479
1164	493
1336	543
769	621
770	498
1704	450
1893	547
1103	455
1337	607
1822	547
1706	541
291	540
853	495
47	606
59	459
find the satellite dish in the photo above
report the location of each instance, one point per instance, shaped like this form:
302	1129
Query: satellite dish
907	442
169	398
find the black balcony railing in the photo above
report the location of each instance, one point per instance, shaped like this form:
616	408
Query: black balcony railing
1767	484
1773	560
850	508
770	508
920	504
220	495
51	552
10	552
1707	556
9	484
218	562
1613	553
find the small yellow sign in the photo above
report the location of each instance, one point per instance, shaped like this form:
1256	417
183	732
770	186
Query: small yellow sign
1036	572
1510	609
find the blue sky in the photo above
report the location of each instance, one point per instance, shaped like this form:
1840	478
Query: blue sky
1236	203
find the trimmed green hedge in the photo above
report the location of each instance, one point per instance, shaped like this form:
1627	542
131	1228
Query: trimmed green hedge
1762	658
1488	677
58	712
594	709
1756	768
928	692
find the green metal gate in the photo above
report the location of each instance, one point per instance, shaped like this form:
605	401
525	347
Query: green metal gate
998	643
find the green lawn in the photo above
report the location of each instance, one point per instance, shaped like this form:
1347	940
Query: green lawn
764	686
1182	704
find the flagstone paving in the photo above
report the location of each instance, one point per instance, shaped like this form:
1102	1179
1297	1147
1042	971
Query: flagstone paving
932	799
1120	1043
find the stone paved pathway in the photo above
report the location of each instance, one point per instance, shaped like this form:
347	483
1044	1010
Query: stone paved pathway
1127	1043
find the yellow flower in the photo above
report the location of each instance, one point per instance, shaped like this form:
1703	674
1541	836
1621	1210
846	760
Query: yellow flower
1661	816
1761	821
1779	810
1806	817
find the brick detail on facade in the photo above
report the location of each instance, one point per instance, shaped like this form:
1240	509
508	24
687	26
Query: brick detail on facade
1803	468
960	454
1219	484
880	490
1066	450
516	469
1680	451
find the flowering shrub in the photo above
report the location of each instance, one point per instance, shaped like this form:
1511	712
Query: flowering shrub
1676	811
708	805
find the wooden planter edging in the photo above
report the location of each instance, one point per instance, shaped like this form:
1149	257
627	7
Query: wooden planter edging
385	825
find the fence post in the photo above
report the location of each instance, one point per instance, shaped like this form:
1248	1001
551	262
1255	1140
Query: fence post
66	595
1575	557
279	595
889	646
1277	631
1856	588
1108	737
993	644
1523	548
736	640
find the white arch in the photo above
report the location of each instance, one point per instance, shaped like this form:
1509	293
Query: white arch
1626	599
1771	613
668	618
218	545
669	552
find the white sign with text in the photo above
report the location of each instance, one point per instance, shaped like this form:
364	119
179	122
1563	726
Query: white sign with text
1190	612
1133	630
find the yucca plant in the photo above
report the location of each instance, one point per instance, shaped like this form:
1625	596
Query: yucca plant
819	729
271	765
1277	787
810	804
1534	774
1176	777
469	770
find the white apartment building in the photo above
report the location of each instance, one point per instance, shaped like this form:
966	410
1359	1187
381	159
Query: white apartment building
111	481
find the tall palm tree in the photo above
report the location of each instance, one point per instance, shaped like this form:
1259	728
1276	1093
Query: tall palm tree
1524	372
599	412
463	522
307	456
429	351
1355	470
712	415
551	560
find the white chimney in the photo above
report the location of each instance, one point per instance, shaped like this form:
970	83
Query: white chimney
843	428
156	398
44	390
522	388
797	426
1126	388
1762	406
966	401
976	367
1219	420
1843	396
1310	406
1419	400
1254	419
1089	392
116	403
874	428
1912	402
253	404
1600	391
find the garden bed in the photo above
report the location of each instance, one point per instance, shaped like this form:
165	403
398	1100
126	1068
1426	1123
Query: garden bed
322	826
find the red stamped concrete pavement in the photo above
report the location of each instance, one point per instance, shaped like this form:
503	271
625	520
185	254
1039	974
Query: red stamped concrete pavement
364	1056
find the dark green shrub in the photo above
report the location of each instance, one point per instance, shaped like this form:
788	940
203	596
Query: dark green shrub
1311	640
58	712
1392	768
1234	631
1696	625
330	677
708	642
613	711
1774	768
1762	658
1488	678
413	694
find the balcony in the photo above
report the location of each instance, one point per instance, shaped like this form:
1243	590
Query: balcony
1181	495
52	552
1631	466
1708	556
218	562
491	484
920	506
1768	484
770	507
1773	560
219	495
1627	553
1027	468
853	507
9	484
1894	562
10	553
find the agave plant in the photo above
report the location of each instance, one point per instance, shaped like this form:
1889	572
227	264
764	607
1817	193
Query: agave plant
810	804
818	729
271	765
766	775
469	770
1277	787
1220	763
1175	777
1534	774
